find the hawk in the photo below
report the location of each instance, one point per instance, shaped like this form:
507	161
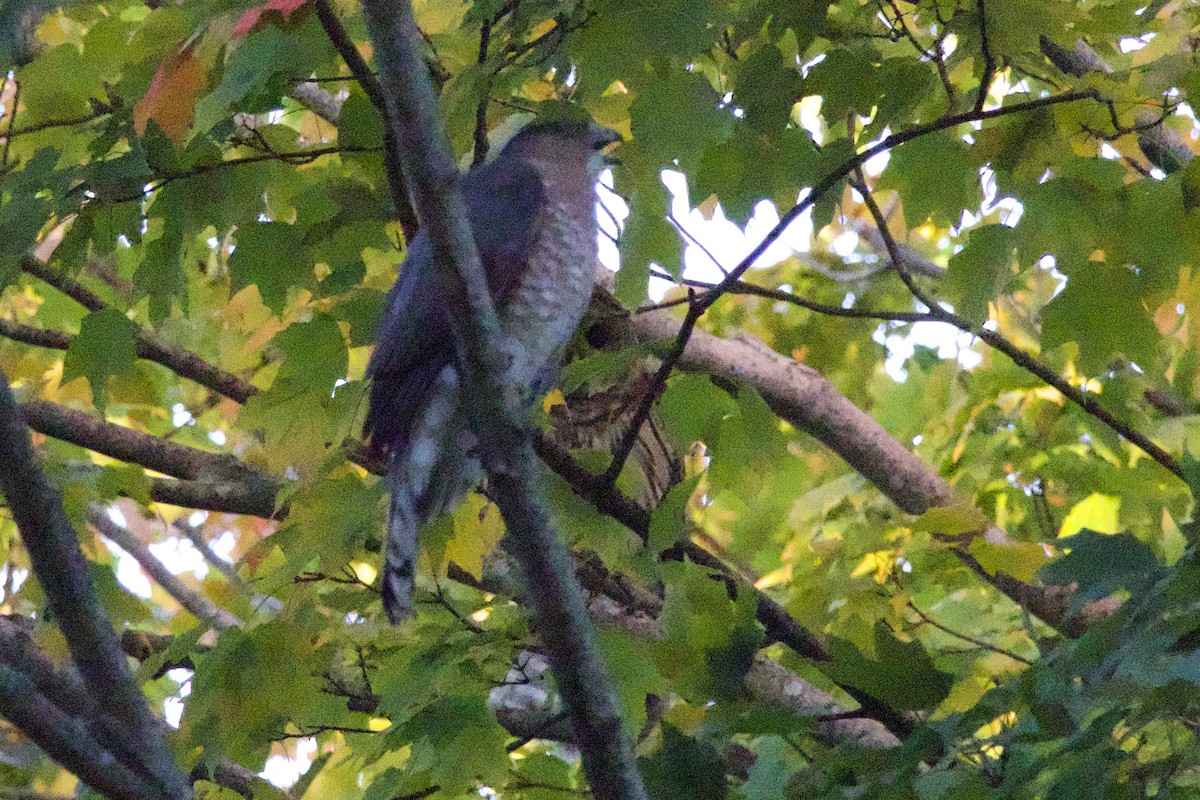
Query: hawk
532	211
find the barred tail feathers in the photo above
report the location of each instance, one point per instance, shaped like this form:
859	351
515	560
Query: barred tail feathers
400	547
426	478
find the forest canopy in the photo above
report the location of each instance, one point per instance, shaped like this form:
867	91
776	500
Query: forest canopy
874	453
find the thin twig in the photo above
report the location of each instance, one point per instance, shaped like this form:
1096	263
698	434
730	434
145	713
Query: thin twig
621	452
397	182
989	60
679	226
1022	359
99	110
743	288
200	606
966	637
298	157
705	301
934	54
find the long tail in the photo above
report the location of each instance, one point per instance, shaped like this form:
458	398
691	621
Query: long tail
400	547
426	478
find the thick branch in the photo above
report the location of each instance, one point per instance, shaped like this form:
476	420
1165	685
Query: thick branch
559	610
63	573
67	741
127	444
808	401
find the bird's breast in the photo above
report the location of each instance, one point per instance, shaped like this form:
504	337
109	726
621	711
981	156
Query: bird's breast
550	298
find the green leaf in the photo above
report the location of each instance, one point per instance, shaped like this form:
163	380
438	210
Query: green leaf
647	238
979	273
258	57
767	89
271	256
634	676
692	409
1190	466
749	445
847	80
683	769
1101	562
771	771
105	346
668	521
1101	309
900	674
749	168
359	124
245	690
952	520
331	521
314	356
678	117
935	178
57	85
1189	183
628	32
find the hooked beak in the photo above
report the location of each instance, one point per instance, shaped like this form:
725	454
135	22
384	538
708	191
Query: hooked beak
604	141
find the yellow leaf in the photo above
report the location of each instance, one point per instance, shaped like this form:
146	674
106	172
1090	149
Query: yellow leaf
553	398
542	28
477	530
963	696
1096	512
952	520
1018	559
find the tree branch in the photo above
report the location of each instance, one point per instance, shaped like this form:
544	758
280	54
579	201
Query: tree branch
127	444
560	613
63	573
200	606
802	397
182	362
989	60
392	164
67	741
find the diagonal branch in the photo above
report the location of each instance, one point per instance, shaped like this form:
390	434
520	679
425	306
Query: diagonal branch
63	573
182	362
1022	359
557	601
805	399
200	606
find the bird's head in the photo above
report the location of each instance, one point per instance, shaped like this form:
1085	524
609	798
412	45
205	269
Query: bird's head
565	139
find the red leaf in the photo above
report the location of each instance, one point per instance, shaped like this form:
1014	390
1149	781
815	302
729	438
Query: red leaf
250	19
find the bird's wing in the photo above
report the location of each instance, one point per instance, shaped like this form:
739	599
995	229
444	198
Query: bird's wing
504	201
